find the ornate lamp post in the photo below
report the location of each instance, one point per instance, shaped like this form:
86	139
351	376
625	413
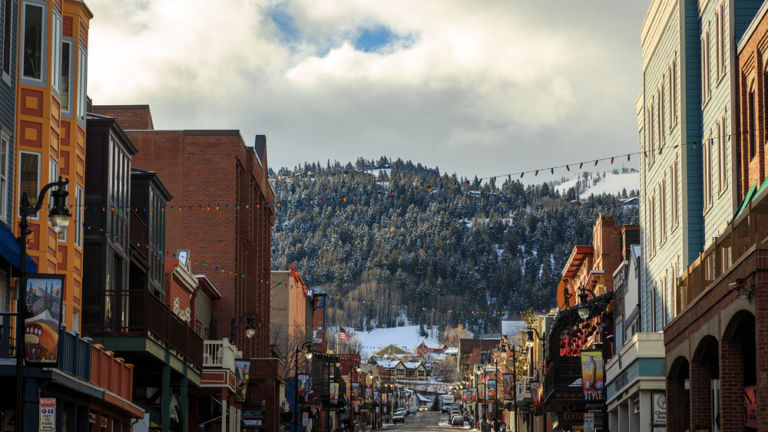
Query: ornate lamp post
58	217
248	319
585	310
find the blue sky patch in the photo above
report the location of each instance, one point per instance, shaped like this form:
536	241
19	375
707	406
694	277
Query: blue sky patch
284	23
377	38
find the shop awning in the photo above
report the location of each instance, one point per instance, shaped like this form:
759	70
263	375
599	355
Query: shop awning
747	199
9	250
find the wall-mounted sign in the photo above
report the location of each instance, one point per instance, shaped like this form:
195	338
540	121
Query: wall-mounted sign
589	422
43	318
47	415
592	375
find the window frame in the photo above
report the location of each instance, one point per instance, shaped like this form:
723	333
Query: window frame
8	155
41	82
675	191
7	46
707	171
57	26
82	82
39	169
67	111
78	240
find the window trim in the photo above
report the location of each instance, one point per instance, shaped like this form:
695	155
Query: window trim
57	28
68	112
4	213
41	82
707	172
7	38
82	83
78	240
36	216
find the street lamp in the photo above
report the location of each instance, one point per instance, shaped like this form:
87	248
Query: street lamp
58	217
583	307
307	347
248	319
531	331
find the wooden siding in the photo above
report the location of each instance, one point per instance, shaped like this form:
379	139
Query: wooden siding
8	110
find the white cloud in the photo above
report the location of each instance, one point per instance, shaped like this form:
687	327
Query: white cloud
506	77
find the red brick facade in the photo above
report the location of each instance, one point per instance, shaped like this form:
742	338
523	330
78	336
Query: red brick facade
222	210
715	339
129	116
752	133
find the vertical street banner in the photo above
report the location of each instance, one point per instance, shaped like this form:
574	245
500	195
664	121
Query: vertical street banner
43	318
334	395
492	389
367	394
303	388
355	390
47	415
376	397
592	378
481	392
242	372
509	385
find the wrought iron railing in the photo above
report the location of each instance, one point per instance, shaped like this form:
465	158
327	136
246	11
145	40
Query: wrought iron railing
146	314
563	372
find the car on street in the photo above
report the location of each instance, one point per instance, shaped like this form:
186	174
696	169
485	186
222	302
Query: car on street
457	420
412	410
423	409
398	416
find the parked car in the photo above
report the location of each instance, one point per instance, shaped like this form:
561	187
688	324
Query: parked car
398	417
457	420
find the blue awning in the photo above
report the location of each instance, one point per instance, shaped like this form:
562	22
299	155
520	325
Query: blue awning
9	249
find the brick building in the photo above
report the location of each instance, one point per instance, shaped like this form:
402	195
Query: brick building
223	211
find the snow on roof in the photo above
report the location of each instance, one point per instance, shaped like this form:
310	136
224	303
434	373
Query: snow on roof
412	365
422	398
510	329
388	364
406	337
452	350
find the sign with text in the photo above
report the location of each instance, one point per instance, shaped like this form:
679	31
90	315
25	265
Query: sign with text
659	409
592	376
589	422
47	415
43	318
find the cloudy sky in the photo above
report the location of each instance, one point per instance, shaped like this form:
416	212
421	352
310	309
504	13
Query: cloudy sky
481	87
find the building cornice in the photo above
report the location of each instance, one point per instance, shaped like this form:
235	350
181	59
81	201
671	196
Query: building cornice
653	26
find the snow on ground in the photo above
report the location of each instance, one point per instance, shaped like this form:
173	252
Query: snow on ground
611	184
406	337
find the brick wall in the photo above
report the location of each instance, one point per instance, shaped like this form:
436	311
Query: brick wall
222	211
129	116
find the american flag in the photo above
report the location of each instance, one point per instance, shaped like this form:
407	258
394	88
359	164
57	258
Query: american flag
344	335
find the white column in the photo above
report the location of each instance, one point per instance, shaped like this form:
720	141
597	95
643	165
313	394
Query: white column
224	415
624	416
646	416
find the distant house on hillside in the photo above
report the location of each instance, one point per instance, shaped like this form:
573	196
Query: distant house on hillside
390	350
423	350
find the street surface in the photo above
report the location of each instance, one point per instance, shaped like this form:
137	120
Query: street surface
430	421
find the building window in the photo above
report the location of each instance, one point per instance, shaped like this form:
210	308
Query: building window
675	193
652	225
721	39
659	122
662	109
33	33
722	155
663	210
66	78
29	176
75	321
78	216
7	34
5	156
705	67
707	174
751	132
53	175
82	81
56	52
673	92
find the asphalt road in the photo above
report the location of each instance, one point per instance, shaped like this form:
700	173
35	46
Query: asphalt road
430	421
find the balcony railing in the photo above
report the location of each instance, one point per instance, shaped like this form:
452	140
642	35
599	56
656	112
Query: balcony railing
220	354
145	314
111	373
748	230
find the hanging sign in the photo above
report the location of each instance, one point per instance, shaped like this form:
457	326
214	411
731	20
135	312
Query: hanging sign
43	318
589	422
242	371
509	385
334	395
47	415
592	376
304	382
492	389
